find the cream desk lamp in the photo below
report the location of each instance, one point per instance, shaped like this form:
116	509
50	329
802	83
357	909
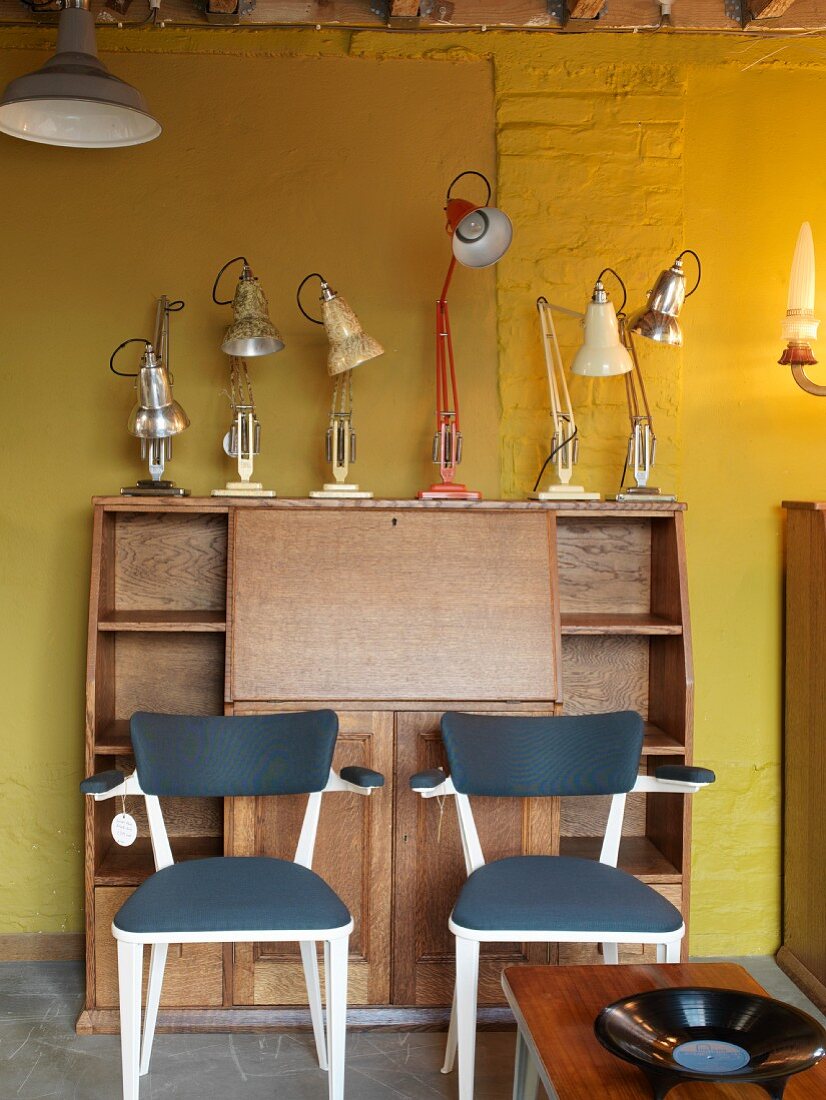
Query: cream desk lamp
350	346
250	335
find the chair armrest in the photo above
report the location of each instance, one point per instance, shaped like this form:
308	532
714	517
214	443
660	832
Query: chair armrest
683	773
110	784
101	782
432	783
355	780
674	779
362	777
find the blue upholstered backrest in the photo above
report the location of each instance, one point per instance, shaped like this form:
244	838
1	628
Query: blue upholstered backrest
567	755
261	754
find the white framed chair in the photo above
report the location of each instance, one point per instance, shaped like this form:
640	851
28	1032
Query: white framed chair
552	898
232	899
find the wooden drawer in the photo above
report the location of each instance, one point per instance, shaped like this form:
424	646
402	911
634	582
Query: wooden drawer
194	971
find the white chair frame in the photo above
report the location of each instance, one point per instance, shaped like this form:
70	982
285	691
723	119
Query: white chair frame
135	1055
462	1030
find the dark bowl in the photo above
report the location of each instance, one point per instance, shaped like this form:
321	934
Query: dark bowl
699	1034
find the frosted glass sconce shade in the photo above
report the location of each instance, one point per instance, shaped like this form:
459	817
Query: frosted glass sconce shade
799	325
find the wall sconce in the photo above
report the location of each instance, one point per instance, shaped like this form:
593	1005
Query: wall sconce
156	417
74	99
349	347
481	235
800	325
564	449
251	334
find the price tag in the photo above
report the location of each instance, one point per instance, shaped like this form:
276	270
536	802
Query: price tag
124	829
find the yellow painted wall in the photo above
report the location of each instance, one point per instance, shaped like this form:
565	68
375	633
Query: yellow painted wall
611	150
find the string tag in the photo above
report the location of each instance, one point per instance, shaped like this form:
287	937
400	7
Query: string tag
124	827
441	799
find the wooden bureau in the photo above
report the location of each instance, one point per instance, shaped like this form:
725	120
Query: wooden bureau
390	612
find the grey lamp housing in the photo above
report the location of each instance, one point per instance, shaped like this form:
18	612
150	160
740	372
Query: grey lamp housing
73	99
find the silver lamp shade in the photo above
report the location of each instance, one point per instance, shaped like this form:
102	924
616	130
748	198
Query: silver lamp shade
157	415
252	333
350	345
73	99
482	237
658	321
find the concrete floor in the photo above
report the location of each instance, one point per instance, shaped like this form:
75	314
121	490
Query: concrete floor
40	1055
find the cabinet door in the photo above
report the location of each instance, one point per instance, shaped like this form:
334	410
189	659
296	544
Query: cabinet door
429	871
353	851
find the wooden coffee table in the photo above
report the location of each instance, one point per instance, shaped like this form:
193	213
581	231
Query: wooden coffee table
555	1008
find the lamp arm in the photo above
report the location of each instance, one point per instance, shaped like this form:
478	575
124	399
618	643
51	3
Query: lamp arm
642	443
562	412
799	375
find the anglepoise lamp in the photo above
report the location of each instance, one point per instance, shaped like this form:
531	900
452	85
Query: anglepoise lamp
156	416
74	99
481	235
250	335
349	347
800	325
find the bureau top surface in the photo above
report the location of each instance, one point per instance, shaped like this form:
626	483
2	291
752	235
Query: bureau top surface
218	504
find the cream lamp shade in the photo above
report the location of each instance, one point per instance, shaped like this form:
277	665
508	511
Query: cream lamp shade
602	354
350	345
252	333
73	99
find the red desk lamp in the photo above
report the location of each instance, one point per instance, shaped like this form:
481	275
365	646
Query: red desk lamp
481	235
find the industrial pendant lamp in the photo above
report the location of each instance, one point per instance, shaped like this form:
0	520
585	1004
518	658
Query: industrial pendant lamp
73	99
350	346
480	236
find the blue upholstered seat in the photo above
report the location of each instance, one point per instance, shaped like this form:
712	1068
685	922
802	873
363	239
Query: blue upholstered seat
538	893
232	893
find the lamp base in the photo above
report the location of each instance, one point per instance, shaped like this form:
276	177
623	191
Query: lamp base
149	488
243	489
643	492
337	490
564	492
448	490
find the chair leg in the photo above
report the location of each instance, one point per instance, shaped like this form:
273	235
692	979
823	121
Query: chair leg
673	951
610	953
467	981
337	1013
525	1073
660	952
309	960
157	963
450	1045
130	977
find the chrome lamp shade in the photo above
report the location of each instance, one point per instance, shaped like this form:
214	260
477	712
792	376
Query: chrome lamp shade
252	333
157	415
73	99
658	321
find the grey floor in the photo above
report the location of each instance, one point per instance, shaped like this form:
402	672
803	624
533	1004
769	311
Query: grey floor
40	1055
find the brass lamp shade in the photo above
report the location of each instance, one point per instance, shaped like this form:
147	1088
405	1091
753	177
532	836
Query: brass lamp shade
252	333
349	343
157	415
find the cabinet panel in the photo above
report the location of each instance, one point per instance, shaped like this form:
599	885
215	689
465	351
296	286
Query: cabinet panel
194	971
353	855
429	871
393	605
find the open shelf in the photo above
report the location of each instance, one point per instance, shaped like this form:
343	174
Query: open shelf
114	739
659	743
637	623
637	855
130	866
170	621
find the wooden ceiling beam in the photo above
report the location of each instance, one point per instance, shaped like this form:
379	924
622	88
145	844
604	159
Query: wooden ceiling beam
585	9
768	9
